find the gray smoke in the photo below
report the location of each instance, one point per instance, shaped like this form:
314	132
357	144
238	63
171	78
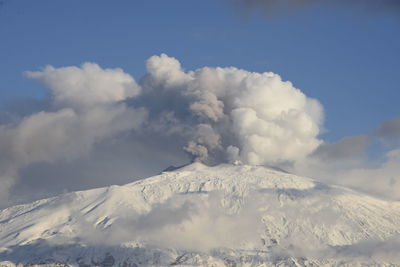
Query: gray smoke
100	124
228	114
213	114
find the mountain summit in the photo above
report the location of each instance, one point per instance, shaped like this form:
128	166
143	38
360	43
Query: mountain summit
197	215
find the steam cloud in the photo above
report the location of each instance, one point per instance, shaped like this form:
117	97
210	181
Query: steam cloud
219	114
214	114
231	114
86	110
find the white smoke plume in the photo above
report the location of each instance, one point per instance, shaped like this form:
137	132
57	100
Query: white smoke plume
86	110
214	114
86	85
259	117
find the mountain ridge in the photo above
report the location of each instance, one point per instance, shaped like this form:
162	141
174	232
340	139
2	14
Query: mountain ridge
206	216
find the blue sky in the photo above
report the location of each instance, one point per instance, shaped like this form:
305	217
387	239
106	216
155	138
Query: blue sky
346	57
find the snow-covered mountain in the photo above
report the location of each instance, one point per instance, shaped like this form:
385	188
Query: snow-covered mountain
205	216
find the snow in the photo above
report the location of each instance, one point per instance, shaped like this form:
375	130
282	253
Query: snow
226	215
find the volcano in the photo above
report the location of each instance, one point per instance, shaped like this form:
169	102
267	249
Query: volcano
197	215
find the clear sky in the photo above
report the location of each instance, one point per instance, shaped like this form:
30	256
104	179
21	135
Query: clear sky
346	57
84	126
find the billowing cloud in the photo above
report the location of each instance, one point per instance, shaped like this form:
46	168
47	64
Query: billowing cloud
87	110
86	85
100	124
265	119
213	114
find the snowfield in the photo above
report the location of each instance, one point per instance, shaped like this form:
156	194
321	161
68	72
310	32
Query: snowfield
224	215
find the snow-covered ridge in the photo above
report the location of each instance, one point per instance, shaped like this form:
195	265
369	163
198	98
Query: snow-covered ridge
206	216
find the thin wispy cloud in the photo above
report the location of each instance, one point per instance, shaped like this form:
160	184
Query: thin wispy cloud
273	6
347	163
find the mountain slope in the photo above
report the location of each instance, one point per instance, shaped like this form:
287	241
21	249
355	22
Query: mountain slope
206	216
